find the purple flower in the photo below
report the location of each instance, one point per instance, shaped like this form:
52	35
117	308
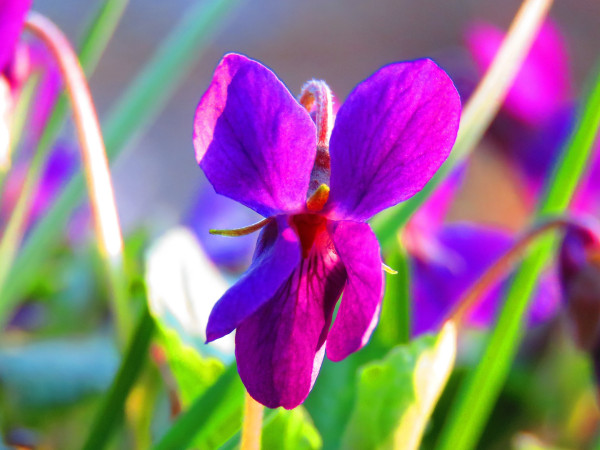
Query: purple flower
447	259
536	116
261	147
543	84
464	251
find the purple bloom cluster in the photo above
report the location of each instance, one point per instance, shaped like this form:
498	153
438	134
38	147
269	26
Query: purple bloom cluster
260	146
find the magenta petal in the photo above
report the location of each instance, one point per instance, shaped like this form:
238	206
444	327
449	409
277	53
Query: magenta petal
12	16
358	248
543	82
390	136
253	140
277	255
279	349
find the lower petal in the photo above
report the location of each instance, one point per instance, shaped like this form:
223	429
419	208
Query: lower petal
280	348
358	249
277	254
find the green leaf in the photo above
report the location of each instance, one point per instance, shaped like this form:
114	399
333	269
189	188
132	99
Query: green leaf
192	372
212	419
396	396
112	409
291	430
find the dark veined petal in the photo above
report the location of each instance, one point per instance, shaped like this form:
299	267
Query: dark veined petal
277	255
12	16
280	348
390	136
357	316
253	140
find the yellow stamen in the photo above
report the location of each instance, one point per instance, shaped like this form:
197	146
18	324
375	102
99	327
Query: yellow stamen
242	231
388	269
317	201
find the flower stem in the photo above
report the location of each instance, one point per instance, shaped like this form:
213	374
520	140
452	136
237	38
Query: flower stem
252	425
495	272
95	163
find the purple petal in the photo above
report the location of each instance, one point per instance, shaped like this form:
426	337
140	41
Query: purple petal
390	136
438	285
277	255
358	248
543	82
279	349
12	16
253	140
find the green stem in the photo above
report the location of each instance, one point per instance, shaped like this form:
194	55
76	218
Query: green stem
113	408
139	105
480	390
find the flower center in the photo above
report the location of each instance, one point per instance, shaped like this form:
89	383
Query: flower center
309	227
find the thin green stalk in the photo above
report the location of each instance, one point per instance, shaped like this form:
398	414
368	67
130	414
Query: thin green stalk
113	407
188	424
480	390
91	51
138	106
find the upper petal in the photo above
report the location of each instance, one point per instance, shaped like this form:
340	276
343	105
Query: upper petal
279	349
357	316
390	136
543	82
12	16
277	255
253	140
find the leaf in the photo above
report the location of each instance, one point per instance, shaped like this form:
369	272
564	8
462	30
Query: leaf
193	373
396	396
291	430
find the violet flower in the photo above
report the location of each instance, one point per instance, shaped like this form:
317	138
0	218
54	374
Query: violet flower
12	17
536	116
316	187
448	258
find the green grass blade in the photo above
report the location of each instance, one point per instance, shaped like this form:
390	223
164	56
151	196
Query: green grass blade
188	424
113	409
480	390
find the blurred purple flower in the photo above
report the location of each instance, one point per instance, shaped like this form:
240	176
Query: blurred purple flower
258	145
466	252
61	165
579	265
12	16
537	114
447	259
543	84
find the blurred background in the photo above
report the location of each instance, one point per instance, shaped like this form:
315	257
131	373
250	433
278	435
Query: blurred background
340	41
